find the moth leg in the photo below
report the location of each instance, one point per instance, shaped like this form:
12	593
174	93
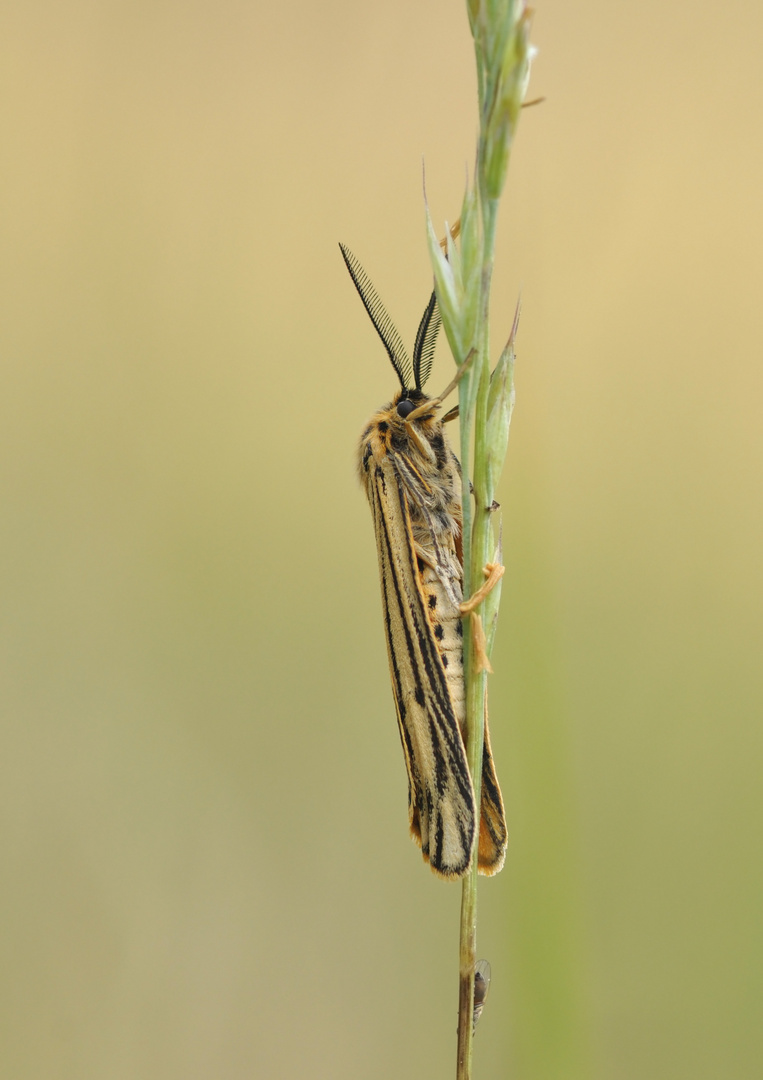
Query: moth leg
493	572
424	555
481	659
437	564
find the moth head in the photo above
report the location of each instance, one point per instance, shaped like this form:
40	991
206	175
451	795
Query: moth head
409	403
412	374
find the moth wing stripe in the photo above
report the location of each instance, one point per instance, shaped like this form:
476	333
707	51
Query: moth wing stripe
420	637
393	614
418	643
492	814
413	780
414	637
412	629
415	623
412	475
411	479
429	712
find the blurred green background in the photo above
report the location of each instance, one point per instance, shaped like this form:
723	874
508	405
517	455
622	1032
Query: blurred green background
206	865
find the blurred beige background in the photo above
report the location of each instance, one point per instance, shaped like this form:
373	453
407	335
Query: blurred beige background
206	867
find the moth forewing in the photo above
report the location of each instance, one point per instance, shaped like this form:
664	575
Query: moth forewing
441	798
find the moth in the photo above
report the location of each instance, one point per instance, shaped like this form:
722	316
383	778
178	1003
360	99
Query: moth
412	480
481	987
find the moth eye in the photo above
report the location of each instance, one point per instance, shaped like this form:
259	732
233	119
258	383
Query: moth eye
405	407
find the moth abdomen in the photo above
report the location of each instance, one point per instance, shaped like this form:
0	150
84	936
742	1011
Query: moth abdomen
445	621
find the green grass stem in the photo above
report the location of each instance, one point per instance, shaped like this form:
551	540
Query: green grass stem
463	277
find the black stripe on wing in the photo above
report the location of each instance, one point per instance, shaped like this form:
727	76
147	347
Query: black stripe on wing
439	782
418	489
491	851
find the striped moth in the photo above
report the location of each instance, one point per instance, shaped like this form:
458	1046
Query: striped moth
412	481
